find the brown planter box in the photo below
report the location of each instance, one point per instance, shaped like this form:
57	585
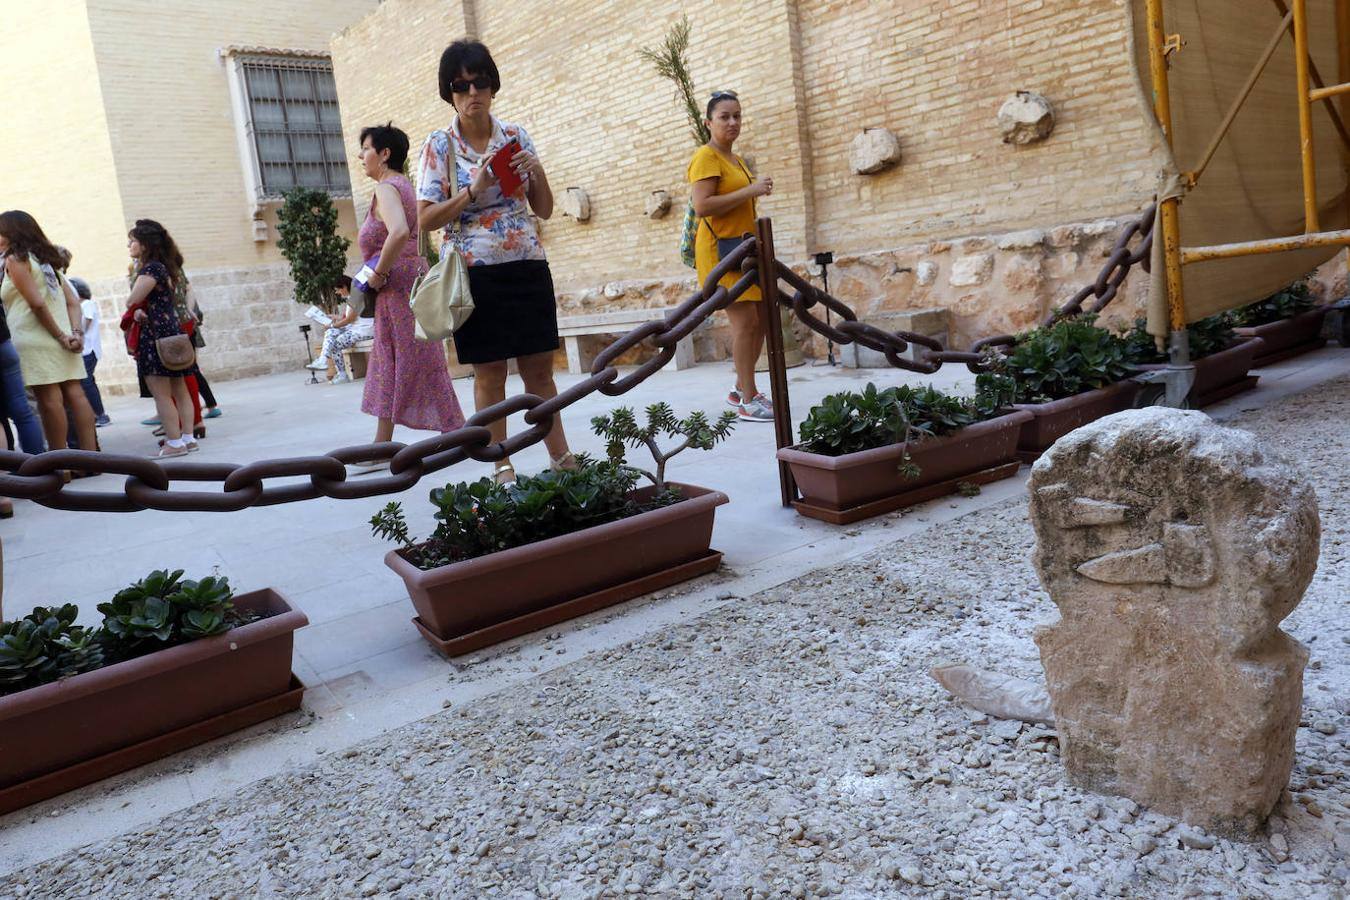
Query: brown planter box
1221	375
472	604
60	736
855	486
1288	337
1052	420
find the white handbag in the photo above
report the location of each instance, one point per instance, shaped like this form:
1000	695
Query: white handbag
441	301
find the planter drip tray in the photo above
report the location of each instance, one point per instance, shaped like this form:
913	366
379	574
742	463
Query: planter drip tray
908	498
84	773
569	609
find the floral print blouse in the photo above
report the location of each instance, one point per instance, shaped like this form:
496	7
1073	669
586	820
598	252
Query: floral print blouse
493	229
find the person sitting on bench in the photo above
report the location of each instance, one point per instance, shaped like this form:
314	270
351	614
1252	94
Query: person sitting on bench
347	330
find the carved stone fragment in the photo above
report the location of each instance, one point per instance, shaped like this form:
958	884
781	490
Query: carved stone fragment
872	151
1025	118
1173	548
576	203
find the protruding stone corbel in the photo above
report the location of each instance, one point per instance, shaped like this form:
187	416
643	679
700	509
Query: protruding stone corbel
576	203
875	150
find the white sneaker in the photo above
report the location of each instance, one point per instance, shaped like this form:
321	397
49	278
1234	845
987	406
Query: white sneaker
318	364
339	378
756	410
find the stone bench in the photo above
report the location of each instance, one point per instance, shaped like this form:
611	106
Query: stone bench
572	328
356	356
928	322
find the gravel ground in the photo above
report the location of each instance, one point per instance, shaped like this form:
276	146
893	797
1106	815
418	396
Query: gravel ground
791	744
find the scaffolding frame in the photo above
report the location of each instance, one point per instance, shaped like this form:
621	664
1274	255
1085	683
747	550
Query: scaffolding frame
1311	89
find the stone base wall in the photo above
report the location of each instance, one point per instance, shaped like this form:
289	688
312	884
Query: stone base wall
251	326
991	284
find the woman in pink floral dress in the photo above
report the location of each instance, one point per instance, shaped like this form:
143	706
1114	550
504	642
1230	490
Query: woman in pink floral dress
407	381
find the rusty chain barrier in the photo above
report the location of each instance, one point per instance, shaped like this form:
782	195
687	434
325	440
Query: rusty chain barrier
148	485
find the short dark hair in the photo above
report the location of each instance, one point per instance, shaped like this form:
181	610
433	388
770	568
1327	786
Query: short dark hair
81	288
344	283
387	137
466	56
718	97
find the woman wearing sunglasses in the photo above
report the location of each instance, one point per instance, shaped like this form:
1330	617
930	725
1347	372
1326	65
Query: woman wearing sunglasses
724	196
515	314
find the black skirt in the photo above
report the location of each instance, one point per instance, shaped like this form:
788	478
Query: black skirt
514	312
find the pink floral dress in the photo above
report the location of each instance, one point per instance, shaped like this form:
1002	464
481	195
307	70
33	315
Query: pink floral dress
407	380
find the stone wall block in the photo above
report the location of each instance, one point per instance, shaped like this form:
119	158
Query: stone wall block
872	151
968	271
1026	118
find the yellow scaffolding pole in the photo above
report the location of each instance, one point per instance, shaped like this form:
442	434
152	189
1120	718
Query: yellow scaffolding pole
1305	125
1169	222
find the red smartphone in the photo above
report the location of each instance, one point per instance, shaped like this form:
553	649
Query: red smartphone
507	177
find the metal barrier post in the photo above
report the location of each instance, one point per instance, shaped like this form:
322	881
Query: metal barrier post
773	333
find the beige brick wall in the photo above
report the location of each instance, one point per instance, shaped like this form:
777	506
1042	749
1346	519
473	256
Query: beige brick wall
167	101
59	157
935	75
812	75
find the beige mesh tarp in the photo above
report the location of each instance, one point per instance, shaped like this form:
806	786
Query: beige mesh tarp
1253	189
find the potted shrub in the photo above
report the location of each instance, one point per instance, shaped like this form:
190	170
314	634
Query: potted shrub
1220	356
1288	322
1066	375
505	560
174	663
865	453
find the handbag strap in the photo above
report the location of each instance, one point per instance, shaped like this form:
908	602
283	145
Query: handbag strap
754	212
452	173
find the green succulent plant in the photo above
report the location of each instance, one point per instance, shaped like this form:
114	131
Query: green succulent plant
44	646
1206	336
1285	303
620	429
851	421
163	609
1069	357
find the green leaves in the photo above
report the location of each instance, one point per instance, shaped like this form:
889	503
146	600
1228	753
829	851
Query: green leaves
162	610
481	517
1283	304
158	611
1069	357
390	524
43	646
620	429
1207	336
307	225
670	62
852	421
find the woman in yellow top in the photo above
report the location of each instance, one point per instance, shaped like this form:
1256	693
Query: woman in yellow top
724	200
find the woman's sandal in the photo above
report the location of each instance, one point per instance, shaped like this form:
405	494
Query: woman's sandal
566	462
504	469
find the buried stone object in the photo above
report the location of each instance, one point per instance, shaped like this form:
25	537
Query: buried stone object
1173	548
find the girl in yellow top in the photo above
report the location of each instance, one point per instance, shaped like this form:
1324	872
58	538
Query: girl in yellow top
724	200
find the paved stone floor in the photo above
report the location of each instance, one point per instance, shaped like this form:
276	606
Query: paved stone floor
368	671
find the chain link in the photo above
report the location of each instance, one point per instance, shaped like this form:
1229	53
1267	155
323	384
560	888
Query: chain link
149	482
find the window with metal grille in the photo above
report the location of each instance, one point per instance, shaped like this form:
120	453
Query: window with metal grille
293	117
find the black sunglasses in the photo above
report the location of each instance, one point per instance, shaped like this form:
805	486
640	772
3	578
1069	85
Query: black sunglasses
482	82
723	95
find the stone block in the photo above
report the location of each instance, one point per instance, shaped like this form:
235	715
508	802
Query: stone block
872	151
1025	118
1032	239
1173	548
928	322
968	271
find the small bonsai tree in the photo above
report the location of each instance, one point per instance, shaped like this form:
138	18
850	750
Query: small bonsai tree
670	63
620	429
307	223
